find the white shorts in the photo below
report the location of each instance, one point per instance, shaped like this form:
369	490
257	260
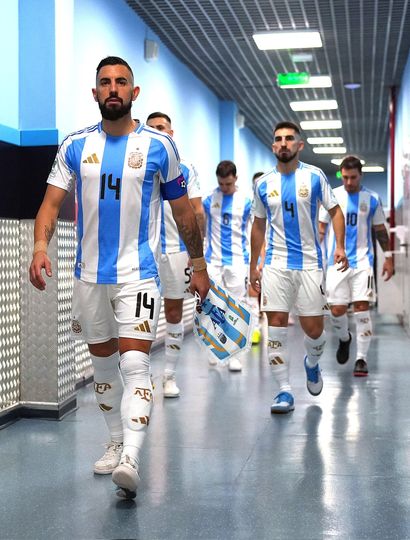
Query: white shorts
233	278
101	312
351	286
175	275
293	290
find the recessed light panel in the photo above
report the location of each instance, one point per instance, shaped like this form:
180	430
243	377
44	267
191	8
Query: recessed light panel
329	150
321	124
314	105
373	168
287	40
325	140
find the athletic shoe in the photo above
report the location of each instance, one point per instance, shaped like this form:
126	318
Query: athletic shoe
126	476
360	368
234	364
314	380
283	403
107	463
124	493
342	354
256	336
212	361
170	386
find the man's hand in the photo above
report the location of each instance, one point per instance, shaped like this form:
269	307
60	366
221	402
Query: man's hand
388	268
40	261
200	284
340	260
255	278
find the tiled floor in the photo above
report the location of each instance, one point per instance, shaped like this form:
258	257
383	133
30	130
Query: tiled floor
217	465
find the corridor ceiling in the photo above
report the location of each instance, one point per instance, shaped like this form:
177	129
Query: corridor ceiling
364	41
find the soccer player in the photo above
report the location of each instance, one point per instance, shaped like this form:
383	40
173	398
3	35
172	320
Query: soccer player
288	198
119	168
363	212
228	215
174	264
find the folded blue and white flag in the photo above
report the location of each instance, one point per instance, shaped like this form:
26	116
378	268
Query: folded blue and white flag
223	324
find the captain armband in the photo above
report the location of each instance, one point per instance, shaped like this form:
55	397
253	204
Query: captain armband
199	264
388	254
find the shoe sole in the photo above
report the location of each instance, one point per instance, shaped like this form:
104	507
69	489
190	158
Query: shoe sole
235	370
121	477
276	411
97	471
314	393
171	395
124	493
360	374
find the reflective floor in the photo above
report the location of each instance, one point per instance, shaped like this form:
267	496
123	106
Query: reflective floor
217	465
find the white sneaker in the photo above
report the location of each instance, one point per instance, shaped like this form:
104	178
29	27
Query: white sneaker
170	386
234	364
126	477
107	463
212	361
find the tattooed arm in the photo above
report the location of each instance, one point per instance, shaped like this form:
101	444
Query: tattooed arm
191	235
383	238
44	227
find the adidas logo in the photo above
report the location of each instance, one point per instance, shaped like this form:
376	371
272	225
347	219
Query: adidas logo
91	159
216	205
273	193
144	327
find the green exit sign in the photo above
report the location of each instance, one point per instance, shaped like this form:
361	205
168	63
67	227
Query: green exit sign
293	79
338	174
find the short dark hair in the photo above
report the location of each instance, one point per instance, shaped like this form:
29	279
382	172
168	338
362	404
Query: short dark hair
113	61
351	162
225	168
158	114
257	175
286	124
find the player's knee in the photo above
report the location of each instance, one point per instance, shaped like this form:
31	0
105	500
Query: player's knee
338	311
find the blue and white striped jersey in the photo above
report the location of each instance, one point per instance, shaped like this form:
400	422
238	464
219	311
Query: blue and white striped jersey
228	219
362	210
290	202
171	242
119	182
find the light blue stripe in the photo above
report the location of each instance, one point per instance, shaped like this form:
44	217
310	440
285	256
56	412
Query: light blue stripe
264	198
291	222
245	219
316	196
207	208
109	210
226	229
146	257
351	230
373	206
73	159
163	235
185	172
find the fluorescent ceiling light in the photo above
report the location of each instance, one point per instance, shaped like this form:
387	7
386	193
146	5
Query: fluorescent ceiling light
339	161
287	40
329	150
321	124
352	85
301	57
373	168
315	81
314	105
325	140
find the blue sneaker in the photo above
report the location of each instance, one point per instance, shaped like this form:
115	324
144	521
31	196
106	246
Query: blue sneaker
314	381
283	403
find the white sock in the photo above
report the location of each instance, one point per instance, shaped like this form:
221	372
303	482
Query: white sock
364	332
108	388
253	302
173	344
341	326
278	356
314	349
136	401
